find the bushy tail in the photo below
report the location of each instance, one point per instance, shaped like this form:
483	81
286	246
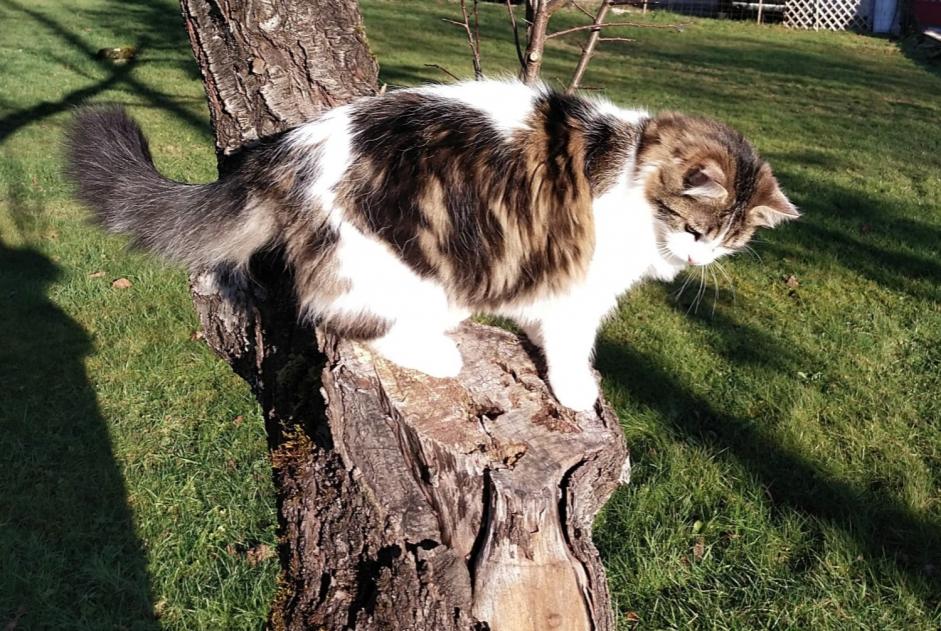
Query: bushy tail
197	224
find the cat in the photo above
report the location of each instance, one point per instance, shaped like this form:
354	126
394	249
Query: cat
401	215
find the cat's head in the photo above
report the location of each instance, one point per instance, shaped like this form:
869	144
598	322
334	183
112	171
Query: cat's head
708	188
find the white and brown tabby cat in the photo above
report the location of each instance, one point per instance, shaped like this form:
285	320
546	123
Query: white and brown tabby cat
403	214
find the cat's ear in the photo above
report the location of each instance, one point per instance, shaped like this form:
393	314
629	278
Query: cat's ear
775	209
706	181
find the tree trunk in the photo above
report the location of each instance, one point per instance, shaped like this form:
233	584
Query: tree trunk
404	501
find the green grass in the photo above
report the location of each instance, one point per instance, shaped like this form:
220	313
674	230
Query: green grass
786	442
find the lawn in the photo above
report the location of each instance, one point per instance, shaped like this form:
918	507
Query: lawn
785	432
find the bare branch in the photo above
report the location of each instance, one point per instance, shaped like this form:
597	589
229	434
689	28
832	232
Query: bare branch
444	70
473	42
537	13
516	34
477	30
583	9
589	48
598	27
614	39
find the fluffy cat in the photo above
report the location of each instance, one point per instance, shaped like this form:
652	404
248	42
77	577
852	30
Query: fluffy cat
403	214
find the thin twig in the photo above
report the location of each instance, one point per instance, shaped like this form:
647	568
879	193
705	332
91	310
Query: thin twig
598	27
537	13
615	39
583	10
474	44
516	34
444	70
477	35
589	46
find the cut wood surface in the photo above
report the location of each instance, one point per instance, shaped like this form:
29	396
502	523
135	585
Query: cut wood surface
405	502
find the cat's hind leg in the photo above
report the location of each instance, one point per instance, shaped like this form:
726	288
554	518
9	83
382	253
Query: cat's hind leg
430	352
414	307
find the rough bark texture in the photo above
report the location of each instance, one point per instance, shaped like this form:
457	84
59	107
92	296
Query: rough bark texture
405	502
271	64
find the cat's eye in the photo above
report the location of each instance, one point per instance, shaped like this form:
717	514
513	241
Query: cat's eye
696	233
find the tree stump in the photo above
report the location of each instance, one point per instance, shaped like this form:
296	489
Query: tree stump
405	502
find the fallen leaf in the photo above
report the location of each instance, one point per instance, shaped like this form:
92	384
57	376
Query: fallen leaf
96	274
792	282
631	617
231	550
122	283
238	420
12	624
197	335
118	55
159	607
699	548
258	553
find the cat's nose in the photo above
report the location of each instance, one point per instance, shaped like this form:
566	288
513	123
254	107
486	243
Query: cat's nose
689	259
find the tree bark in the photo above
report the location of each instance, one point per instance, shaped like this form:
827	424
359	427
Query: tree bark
404	501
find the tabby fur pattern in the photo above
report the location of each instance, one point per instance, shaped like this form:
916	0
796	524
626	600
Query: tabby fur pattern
401	215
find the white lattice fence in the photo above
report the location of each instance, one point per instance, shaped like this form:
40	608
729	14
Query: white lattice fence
829	15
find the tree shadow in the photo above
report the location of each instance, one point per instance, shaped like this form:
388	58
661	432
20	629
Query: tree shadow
924	51
160	28
885	529
68	551
862	232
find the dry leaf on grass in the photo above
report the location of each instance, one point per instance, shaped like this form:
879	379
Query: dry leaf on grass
122	283
258	553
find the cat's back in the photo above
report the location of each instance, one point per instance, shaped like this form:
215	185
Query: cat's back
485	186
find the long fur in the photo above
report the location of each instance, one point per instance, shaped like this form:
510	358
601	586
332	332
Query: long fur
109	161
402	214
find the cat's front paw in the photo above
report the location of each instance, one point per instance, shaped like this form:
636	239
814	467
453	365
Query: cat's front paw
575	390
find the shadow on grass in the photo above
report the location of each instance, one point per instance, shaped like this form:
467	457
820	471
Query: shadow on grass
68	552
885	529
159	28
864	233
924	51
860	233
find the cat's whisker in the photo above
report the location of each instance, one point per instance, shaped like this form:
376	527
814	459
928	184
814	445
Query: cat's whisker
725	274
715	300
679	293
752	251
694	305
703	284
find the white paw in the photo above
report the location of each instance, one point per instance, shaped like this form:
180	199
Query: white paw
436	356
577	390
